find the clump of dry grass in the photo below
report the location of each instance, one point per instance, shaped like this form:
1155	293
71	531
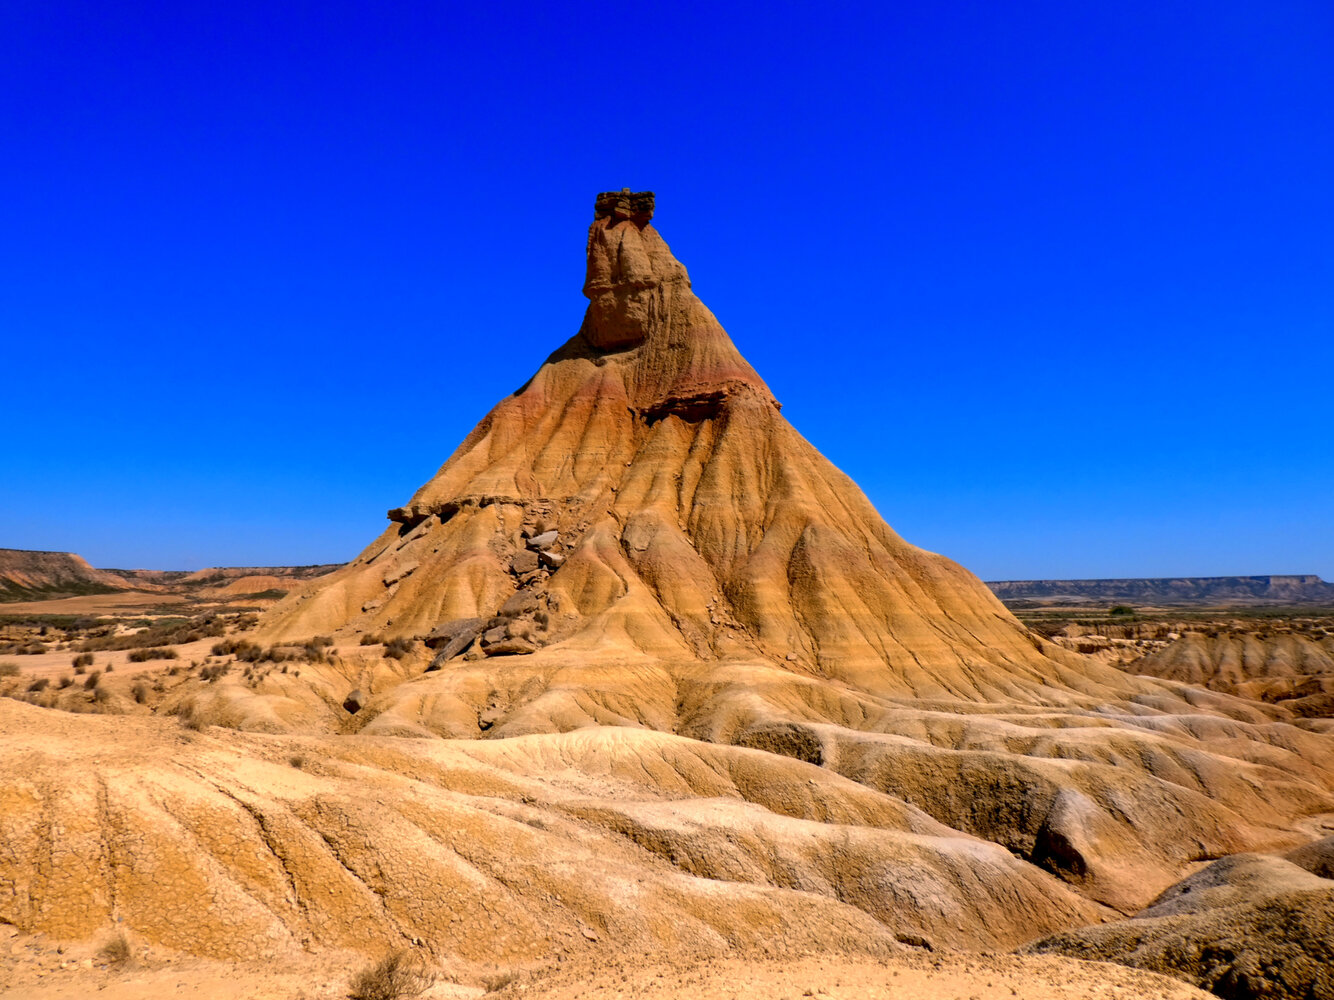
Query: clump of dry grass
152	653
398	975
116	951
398	647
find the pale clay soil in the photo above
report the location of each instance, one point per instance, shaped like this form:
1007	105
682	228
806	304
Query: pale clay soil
34	967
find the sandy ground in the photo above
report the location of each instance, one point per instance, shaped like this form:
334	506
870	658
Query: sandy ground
121	603
57	664
37	968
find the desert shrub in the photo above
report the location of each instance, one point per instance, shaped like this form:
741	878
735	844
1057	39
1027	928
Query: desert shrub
497	981
189	716
372	638
101	695
212	673
242	649
313	653
9	669
297	761
398	647
92	680
80	670
83	660
1121	610
116	951
164	633
155	653
65	682
111	666
397	976
23	648
321	641
139	692
40	684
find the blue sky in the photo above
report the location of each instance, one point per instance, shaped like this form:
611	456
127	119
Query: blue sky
1053	282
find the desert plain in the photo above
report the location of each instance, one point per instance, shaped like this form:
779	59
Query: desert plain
640	696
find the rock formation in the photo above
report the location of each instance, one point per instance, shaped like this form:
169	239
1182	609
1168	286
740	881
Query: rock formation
694	693
674	514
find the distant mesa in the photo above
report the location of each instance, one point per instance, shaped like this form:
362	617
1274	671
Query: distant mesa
1273	589
29	575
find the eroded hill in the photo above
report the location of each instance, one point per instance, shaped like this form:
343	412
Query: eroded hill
639	672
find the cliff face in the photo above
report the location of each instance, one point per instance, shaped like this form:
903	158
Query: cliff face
1289	589
27	575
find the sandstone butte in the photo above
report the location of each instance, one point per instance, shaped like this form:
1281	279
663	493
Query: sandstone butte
679	690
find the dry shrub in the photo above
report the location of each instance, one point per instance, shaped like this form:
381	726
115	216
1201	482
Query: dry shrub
212	673
372	639
92	680
83	660
41	684
155	653
398	975
190	717
9	669
116	951
497	981
398	647
140	692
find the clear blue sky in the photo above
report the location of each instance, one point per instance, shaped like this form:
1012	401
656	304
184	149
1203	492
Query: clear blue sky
1053	281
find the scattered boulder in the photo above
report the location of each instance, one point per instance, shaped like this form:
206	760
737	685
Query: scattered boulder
523	562
544	540
453	638
355	701
446	632
554	560
521	603
509	646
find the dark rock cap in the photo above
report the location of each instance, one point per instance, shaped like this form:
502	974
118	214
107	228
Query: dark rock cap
618	206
